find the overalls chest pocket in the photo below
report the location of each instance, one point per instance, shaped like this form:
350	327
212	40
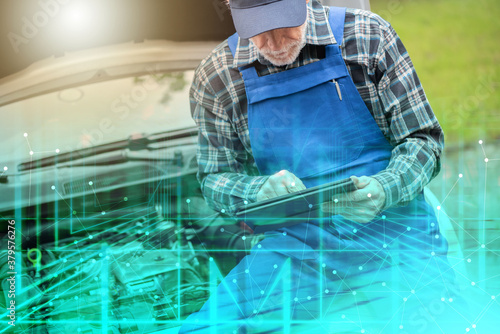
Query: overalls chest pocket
310	132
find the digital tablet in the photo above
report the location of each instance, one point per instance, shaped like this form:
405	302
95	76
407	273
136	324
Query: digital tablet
293	208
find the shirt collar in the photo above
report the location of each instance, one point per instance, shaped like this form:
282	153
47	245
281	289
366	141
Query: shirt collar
318	32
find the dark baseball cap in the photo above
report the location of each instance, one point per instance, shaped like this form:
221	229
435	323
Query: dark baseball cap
252	17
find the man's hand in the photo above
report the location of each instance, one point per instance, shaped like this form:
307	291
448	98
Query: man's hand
361	205
281	183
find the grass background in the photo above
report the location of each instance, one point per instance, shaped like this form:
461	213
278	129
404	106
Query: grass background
455	47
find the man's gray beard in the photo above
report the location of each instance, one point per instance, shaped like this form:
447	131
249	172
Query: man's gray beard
299	45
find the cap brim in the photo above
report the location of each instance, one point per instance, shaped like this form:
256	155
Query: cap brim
250	22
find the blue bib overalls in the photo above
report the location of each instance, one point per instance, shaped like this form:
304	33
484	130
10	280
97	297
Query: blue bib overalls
329	275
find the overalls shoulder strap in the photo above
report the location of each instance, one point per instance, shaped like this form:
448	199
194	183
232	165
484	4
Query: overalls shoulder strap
336	19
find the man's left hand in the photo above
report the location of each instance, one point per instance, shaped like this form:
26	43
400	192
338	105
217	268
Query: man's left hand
361	205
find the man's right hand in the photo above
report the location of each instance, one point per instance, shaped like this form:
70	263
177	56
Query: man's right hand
281	183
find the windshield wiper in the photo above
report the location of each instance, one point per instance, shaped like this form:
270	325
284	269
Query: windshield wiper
130	144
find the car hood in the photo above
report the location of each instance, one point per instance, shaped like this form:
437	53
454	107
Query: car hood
101	64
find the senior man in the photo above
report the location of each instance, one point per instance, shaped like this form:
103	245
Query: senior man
300	96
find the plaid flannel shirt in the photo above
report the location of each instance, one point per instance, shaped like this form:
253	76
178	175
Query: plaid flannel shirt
384	76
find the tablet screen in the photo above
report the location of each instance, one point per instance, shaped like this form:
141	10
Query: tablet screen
291	208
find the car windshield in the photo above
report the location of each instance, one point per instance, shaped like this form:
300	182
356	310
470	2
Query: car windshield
95	114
